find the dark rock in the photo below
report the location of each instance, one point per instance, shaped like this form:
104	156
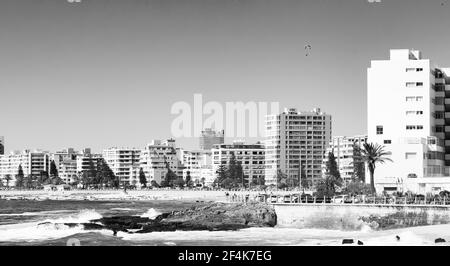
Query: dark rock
213	217
360	243
347	241
398	238
439	240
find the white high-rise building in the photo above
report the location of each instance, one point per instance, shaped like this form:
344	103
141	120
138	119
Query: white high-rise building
85	159
250	156
155	158
197	164
33	163
296	140
408	114
123	162
347	158
67	170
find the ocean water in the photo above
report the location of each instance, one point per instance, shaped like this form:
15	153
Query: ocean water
33	223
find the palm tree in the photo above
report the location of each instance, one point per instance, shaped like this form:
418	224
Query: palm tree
372	154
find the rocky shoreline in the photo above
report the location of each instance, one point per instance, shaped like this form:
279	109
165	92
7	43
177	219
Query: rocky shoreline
213	217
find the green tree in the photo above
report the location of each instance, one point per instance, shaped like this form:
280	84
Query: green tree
359	171
170	178
142	178
179	182
53	170
304	183
104	175
8	178
325	187
189	182
233	168
281	179
222	174
240	178
85	179
373	154
153	183
57	181
332	169
28	181
43	178
19	177
357	187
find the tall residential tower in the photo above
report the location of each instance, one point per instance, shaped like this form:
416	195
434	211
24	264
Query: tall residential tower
295	141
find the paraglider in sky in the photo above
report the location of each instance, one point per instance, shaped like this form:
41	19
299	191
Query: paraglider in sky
307	49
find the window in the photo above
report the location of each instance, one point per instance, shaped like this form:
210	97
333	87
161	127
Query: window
439	115
409	69
410	127
379	130
439	100
410	98
414	112
414	84
439	129
388	141
419	69
419	98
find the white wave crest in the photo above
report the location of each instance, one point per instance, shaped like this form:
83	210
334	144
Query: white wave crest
151	214
47	229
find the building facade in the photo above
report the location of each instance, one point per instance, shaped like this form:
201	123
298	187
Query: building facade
250	156
33	163
198	165
210	137
123	162
296	143
347	153
408	112
84	160
157	157
67	171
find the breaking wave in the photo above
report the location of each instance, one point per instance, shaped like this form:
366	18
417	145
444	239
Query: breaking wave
48	228
151	214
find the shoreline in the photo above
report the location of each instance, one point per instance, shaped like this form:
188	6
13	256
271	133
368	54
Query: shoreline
120	195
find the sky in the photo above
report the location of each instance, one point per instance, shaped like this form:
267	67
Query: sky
105	73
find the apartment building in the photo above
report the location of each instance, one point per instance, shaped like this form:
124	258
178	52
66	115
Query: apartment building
250	156
345	150
33	163
85	158
294	141
210	137
197	164
408	112
123	162
67	170
155	158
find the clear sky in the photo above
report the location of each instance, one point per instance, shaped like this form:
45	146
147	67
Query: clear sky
104	73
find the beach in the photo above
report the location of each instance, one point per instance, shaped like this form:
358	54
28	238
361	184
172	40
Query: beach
120	195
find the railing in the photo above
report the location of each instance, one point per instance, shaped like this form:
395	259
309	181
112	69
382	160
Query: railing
358	200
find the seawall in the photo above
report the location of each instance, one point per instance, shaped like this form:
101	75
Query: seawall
356	217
